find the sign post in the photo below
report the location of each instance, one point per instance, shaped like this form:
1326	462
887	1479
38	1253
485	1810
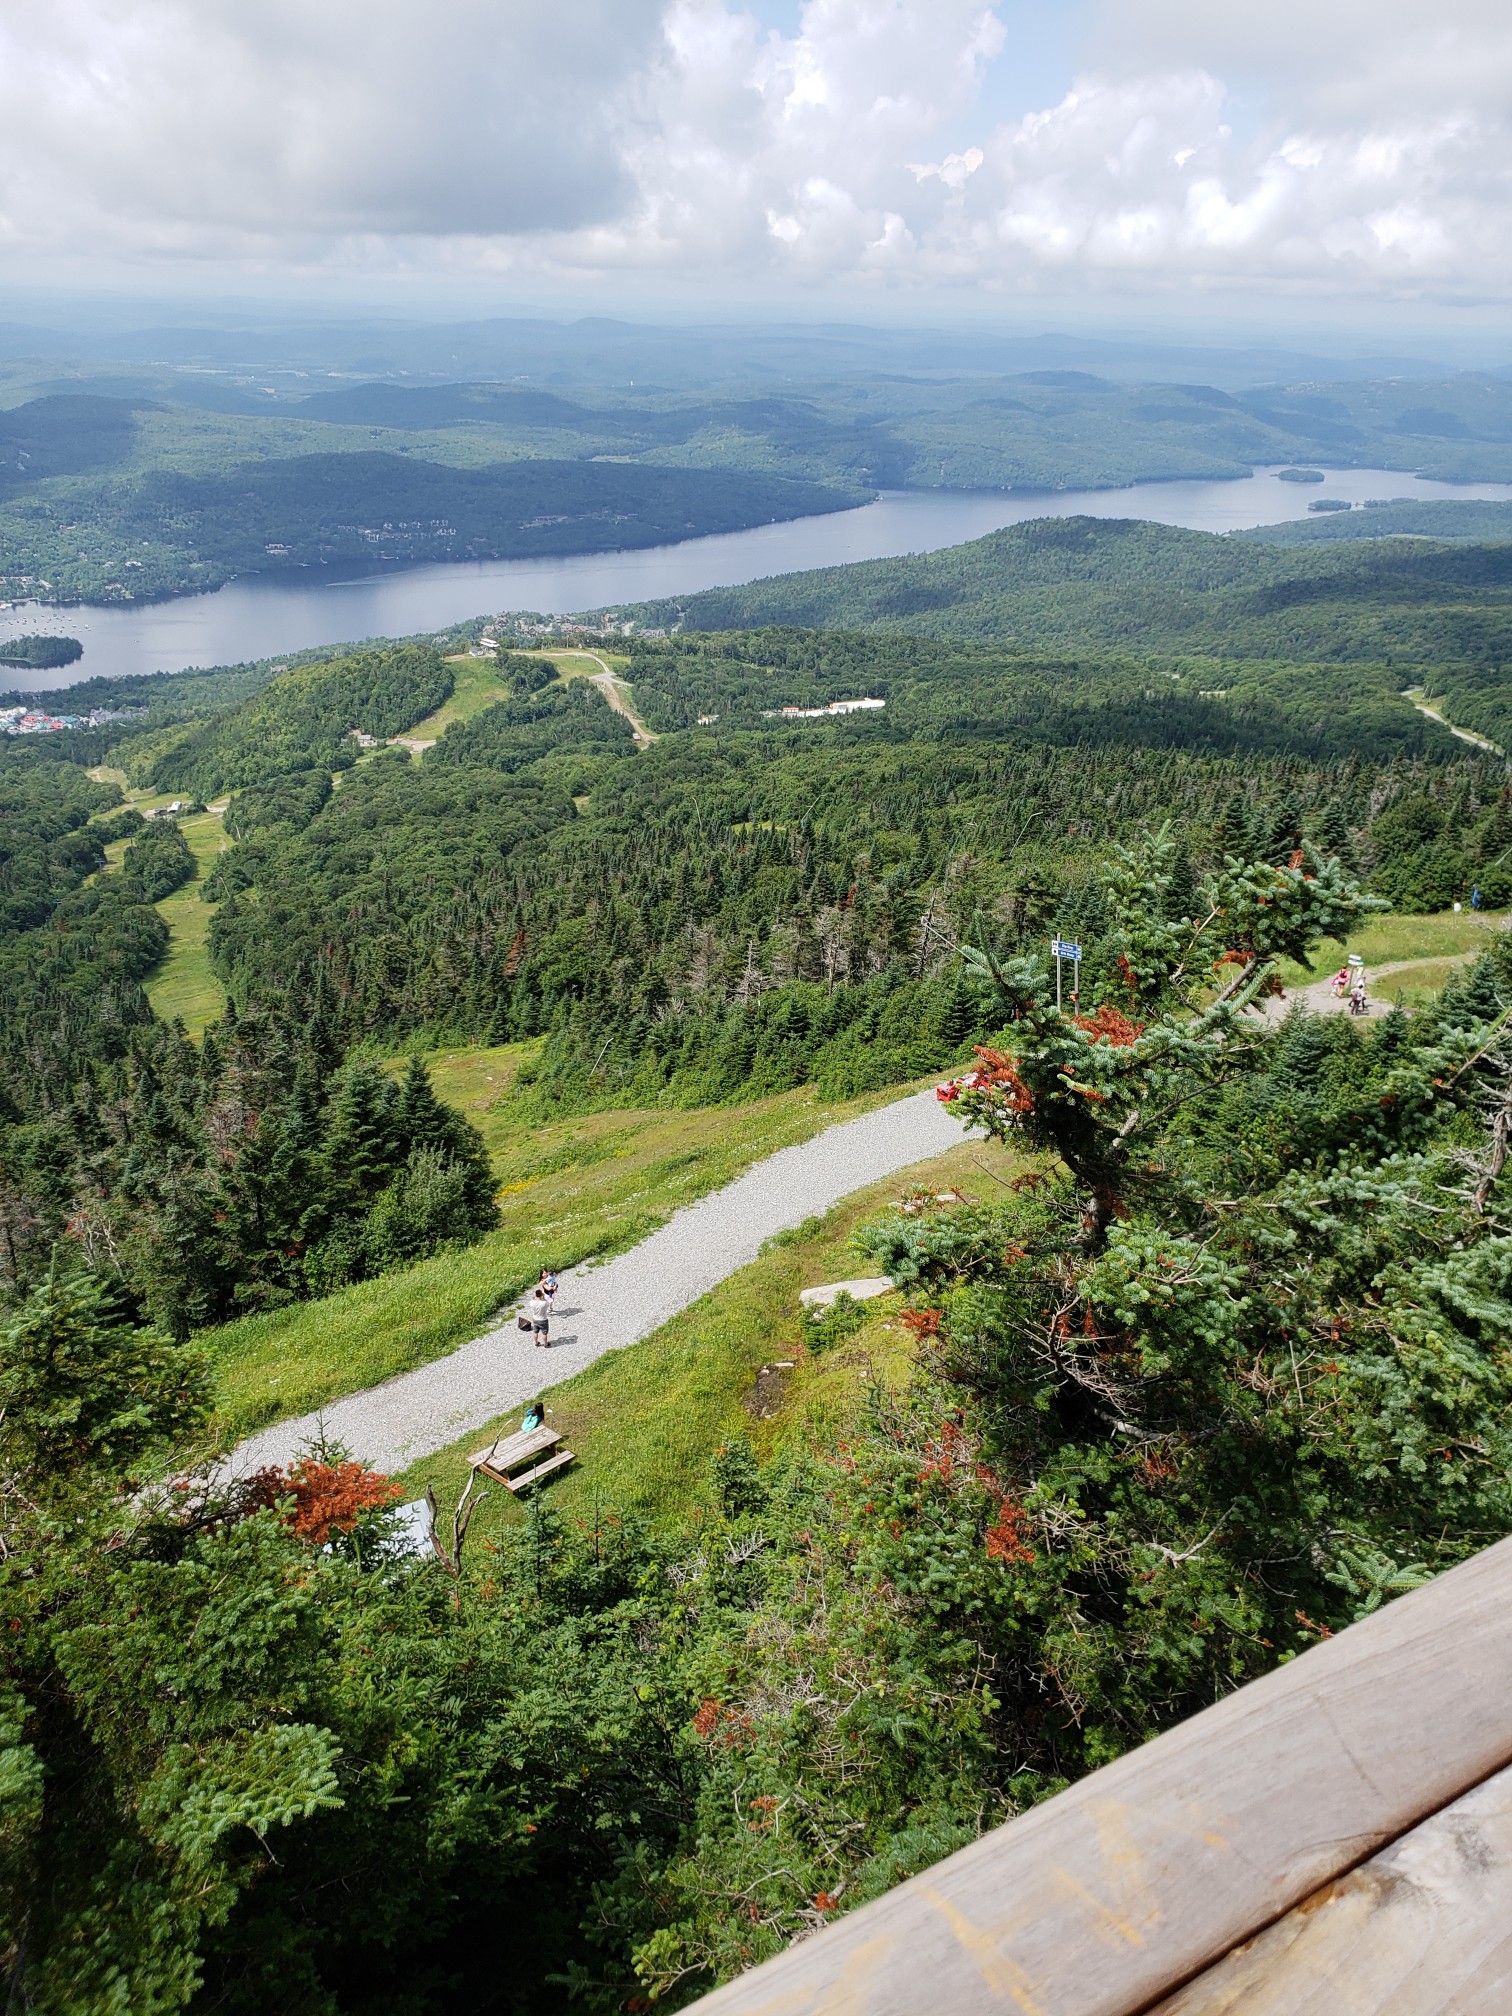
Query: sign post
1064	948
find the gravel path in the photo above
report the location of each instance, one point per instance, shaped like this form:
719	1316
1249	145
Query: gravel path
604	1308
1318	996
616	691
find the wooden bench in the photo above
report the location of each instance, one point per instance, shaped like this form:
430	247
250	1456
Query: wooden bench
503	1459
557	1462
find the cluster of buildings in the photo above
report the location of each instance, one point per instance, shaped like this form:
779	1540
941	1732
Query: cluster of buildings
29	721
611	624
819	713
34	721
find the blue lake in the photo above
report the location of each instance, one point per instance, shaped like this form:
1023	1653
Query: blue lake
258	617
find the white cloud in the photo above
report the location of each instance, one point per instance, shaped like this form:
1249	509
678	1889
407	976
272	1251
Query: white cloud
1371	150
208	123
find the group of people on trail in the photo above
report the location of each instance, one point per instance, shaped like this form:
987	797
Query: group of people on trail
1350	980
537	1317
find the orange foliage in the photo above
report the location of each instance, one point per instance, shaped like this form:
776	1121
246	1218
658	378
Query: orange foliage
923	1322
326	1497
1109	1026
1155	1466
949	1449
1007	1537
731	1728
952	1457
997	1073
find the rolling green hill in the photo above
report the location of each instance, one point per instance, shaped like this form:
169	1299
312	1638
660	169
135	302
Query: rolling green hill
302	721
1079	584
125	497
1469	518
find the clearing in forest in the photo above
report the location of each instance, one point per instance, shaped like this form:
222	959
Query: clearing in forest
1407	958
644	1422
183	983
590	1186
476	686
612	683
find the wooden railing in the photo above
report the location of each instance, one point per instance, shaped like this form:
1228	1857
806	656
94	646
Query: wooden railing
1132	1883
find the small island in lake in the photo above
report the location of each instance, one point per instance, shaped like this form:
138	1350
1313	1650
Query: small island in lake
40	652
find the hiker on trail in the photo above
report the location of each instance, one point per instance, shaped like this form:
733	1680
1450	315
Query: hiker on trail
539	1313
1339	985
1358	1005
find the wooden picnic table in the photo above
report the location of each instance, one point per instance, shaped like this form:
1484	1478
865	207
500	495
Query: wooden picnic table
504	1457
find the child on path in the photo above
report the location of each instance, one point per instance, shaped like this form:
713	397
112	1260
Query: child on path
539	1313
547	1286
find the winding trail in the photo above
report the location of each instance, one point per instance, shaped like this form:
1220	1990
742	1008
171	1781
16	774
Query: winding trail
616	691
604	1308
1318	996
1463	734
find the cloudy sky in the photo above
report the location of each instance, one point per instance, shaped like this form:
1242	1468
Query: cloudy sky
1353	153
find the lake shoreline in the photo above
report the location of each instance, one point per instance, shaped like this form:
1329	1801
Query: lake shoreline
337	573
348	572
263	616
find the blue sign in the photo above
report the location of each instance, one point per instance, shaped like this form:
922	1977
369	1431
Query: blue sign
1062	948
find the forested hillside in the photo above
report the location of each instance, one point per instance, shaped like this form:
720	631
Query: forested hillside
170	531
305	720
746	906
1220	1372
1478	521
1430	612
110	495
1213	1364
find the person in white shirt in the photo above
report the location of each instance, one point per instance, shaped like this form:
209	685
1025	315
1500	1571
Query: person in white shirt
539	1313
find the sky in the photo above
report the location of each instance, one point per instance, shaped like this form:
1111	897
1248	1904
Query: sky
1165	158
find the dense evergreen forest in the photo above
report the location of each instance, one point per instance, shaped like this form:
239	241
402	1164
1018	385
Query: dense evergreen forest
1225	1371
749	905
172	531
1220	1370
41	652
1476	520
1429	612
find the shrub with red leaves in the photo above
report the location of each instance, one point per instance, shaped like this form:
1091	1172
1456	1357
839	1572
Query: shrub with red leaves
922	1322
1110	1025
997	1073
322	1498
